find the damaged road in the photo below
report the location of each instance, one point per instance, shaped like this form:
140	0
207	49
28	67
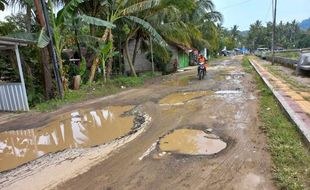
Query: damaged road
183	134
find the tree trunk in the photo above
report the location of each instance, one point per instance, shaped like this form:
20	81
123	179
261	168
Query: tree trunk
151	42
120	60
137	45
28	18
110	61
93	70
48	83
104	71
132	69
44	54
77	40
96	59
92	29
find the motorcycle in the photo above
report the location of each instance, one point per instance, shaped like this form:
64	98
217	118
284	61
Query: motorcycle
201	71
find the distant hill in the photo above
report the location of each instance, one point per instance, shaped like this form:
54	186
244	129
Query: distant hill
305	24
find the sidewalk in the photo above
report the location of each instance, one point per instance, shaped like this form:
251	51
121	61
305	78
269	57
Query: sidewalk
293	100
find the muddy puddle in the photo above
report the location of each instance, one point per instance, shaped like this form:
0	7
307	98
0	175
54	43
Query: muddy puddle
191	142
228	92
182	97
183	81
79	129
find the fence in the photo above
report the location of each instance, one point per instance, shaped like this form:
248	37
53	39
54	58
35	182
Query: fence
13	97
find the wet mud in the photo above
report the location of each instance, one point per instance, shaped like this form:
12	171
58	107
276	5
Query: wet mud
192	142
79	129
183	97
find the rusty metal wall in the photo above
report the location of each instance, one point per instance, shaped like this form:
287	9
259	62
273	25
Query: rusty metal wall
13	97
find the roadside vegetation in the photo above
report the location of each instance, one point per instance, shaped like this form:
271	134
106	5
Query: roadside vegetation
290	55
95	90
93	40
290	80
290	154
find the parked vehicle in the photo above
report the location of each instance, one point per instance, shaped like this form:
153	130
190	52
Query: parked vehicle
303	63
261	52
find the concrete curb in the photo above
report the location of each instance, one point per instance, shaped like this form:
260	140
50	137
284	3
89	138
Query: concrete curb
296	118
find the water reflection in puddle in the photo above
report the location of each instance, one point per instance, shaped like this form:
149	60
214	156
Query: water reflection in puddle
77	129
182	97
191	142
228	92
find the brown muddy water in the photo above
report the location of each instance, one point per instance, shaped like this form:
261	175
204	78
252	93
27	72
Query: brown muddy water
182	81
182	97
191	142
79	129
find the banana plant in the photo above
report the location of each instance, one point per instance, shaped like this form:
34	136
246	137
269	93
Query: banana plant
124	9
61	21
102	52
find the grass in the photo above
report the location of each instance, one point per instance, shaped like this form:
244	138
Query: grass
290	55
286	78
290	155
95	90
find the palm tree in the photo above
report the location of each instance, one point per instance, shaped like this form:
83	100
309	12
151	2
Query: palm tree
117	10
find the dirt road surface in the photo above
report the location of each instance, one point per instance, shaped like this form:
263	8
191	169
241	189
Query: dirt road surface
224	104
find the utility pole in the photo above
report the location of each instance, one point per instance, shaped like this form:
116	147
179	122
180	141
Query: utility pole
52	50
274	14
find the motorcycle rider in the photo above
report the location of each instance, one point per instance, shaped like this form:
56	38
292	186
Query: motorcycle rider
202	59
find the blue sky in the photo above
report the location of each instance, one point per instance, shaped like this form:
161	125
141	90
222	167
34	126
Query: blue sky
245	12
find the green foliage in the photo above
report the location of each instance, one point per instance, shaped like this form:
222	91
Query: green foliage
288	34
43	39
82	68
67	11
183	5
16	24
291	157
161	57
147	26
127	81
92	91
290	55
95	21
141	6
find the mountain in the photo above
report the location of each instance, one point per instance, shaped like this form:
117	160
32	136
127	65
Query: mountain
305	24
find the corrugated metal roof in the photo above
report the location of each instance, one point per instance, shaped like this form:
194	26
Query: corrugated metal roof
9	41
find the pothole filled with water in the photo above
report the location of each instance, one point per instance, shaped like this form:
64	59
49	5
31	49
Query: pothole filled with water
182	97
228	92
79	129
182	81
192	142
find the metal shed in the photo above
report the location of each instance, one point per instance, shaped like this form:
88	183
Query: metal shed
13	96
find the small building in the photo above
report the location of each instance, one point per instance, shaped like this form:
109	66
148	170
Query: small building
142	64
180	54
13	95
